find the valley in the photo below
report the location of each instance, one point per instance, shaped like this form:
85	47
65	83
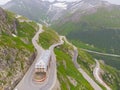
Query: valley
82	36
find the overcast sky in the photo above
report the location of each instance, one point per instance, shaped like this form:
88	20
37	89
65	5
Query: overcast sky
112	1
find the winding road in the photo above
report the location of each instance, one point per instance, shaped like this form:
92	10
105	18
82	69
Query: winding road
84	74
96	73
27	83
104	54
96	70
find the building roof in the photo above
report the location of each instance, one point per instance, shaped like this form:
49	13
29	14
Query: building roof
43	59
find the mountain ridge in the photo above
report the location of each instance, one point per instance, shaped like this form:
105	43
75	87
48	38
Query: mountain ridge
96	20
53	11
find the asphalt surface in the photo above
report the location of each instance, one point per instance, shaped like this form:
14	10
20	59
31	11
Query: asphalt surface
84	74
27	83
96	73
104	54
53	72
96	70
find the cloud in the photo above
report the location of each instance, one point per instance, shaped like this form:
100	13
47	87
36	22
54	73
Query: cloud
4	1
111	1
114	1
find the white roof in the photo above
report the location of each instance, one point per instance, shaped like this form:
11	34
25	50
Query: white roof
44	59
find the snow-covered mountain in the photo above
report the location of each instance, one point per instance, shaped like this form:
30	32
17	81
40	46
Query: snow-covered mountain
37	10
43	10
81	7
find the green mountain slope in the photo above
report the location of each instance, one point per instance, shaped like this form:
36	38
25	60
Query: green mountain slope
17	53
66	70
65	66
109	74
48	38
100	29
16	50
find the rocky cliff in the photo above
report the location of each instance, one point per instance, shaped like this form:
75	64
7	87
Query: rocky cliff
16	49
8	24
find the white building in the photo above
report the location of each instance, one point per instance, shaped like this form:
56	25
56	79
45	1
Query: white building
43	62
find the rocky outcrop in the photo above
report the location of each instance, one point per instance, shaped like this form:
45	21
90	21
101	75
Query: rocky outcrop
16	56
8	24
2	15
13	65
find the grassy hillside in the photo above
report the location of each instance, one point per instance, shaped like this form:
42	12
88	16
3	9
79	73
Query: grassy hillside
80	44
86	61
66	70
48	38
100	29
111	76
112	61
16	50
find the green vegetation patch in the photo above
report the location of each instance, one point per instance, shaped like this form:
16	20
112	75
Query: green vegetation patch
86	62
111	76
48	38
100	29
10	17
16	51
15	42
65	68
109	60
80	44
26	29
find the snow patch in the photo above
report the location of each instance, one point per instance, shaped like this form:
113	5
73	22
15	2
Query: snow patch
60	5
90	5
18	16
